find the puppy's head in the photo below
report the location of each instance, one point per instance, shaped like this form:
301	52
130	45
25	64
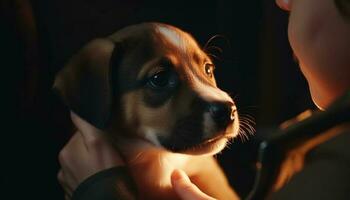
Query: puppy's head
156	81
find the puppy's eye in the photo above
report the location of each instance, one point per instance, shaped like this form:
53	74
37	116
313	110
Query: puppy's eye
163	79
209	69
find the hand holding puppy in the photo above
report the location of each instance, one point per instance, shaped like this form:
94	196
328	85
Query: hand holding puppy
86	153
185	189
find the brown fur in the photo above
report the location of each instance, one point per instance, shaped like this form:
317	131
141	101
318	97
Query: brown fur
103	84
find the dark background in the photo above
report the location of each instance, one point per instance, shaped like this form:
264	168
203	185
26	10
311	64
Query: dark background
38	36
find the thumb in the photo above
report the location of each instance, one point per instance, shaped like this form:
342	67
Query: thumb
185	189
88	131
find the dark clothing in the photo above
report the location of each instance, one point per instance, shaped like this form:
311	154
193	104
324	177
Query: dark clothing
326	176
110	184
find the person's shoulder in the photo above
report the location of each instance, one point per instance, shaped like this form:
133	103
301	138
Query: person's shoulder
335	149
326	172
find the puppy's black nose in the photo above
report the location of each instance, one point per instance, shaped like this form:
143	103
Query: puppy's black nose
222	113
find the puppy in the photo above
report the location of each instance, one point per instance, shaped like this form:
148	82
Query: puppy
151	89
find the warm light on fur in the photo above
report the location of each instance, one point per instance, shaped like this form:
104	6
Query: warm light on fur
147	87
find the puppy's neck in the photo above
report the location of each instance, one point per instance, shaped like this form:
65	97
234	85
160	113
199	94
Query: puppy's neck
142	154
138	150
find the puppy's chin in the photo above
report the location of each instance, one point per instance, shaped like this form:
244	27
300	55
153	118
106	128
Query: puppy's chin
208	148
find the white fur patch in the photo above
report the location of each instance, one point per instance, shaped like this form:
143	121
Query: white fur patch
210	93
171	35
150	134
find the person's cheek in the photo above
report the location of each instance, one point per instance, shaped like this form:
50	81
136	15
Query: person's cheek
307	31
319	39
297	34
303	33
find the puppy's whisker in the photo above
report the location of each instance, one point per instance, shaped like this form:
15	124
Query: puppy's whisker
245	130
211	39
246	135
215	37
229	142
242	135
248	120
249	128
248	116
214	48
214	56
137	158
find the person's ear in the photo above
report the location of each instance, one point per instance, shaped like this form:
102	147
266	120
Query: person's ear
85	83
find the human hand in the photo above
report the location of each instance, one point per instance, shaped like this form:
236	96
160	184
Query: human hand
86	153
185	189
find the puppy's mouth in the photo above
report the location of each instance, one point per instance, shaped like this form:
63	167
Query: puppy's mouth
194	138
209	147
197	146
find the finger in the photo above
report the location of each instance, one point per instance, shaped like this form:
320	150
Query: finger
67	197
97	153
66	189
62	180
87	130
185	188
92	137
95	143
74	146
74	153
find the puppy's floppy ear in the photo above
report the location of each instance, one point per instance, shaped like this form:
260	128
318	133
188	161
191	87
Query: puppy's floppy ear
85	83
